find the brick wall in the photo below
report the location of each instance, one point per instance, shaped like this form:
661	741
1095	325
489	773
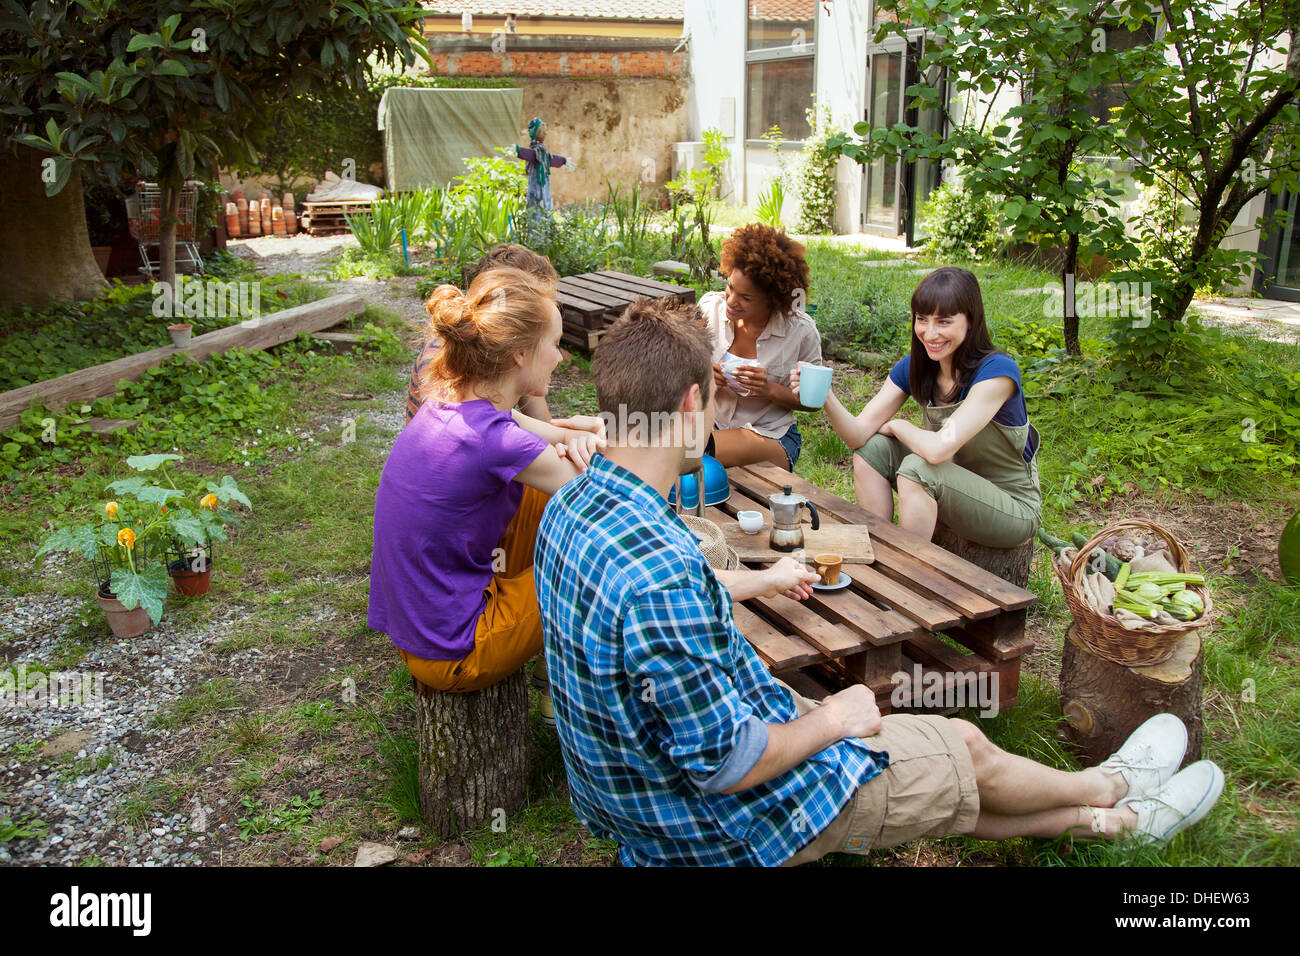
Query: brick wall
655	64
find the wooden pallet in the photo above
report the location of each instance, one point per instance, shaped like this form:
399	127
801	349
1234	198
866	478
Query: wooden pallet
889	620
330	218
591	302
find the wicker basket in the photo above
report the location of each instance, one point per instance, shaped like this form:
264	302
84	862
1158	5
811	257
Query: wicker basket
1107	637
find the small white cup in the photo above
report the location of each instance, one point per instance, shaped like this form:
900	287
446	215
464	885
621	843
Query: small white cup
751	522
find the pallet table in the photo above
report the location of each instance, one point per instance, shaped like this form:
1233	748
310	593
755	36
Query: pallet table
910	608
591	302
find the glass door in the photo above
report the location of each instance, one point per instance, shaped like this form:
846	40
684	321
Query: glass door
1281	277
882	197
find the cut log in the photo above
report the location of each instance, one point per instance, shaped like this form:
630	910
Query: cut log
473	754
1103	702
261	332
1010	564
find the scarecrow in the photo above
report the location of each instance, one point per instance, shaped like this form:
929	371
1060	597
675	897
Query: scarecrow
540	161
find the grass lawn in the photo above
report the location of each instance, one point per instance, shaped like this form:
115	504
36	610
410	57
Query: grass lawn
297	718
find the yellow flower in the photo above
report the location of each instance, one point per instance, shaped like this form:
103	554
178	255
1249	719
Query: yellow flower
110	509
208	501
126	538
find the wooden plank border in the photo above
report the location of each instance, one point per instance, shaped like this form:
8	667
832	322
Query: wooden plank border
100	381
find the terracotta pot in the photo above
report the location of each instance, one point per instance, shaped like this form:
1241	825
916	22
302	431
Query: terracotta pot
124	624
189	582
102	255
180	334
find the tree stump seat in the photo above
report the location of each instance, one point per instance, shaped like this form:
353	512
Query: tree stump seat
473	754
1103	702
1010	564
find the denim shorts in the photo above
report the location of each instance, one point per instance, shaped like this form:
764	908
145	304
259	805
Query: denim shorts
791	442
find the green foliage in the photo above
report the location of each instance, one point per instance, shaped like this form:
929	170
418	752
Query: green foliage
354	264
41	343
961	226
817	175
376	231
26	829
1217	151
289	818
770	201
857	307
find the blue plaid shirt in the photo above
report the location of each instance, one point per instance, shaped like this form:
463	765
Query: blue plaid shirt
654	688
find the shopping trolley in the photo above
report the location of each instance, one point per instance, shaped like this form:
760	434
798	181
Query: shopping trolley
144	218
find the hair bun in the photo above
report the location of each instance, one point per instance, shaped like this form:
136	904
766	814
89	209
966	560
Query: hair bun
449	314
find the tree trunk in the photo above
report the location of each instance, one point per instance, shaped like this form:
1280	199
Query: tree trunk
1069	275
1103	702
44	244
1010	564
473	754
171	205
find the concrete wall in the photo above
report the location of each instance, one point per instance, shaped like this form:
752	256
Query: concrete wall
841	87
715	91
618	130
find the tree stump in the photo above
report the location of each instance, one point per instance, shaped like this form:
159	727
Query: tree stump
1010	564
1103	702
473	753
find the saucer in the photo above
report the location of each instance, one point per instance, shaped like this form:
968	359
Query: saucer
839	585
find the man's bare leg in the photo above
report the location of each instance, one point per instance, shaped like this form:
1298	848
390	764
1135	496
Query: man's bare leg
1019	797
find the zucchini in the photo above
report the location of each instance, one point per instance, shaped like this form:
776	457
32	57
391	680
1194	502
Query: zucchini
1056	544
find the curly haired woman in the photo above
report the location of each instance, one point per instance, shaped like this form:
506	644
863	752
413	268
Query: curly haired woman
760	333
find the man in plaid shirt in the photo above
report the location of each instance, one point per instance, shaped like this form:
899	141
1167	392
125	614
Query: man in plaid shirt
678	743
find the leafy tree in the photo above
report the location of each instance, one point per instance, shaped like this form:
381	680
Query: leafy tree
1210	116
1034	158
159	89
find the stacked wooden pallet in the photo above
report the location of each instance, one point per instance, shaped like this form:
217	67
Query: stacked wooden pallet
590	302
330	218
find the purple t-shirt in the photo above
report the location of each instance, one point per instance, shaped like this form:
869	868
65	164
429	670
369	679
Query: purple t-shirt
445	497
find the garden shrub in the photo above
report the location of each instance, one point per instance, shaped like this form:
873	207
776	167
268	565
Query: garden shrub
817	177
961	227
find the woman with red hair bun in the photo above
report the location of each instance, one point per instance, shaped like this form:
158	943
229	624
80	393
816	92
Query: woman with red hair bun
760	334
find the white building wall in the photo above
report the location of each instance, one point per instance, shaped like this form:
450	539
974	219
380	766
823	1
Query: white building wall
716	96
841	86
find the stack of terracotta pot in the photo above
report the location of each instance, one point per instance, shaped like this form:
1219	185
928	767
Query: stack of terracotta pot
260	217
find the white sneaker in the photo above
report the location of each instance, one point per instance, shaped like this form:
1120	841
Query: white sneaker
1149	757
1183	801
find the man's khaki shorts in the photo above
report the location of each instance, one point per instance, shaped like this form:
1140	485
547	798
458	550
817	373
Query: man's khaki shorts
928	789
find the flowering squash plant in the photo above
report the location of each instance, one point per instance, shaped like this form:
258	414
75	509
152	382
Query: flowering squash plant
146	518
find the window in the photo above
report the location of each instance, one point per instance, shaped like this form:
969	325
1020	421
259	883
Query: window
1117	39
779	94
779	66
781	23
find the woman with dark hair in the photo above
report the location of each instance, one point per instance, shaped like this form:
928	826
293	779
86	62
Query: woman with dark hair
974	466
760	334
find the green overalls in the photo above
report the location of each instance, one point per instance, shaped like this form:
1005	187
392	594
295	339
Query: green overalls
987	492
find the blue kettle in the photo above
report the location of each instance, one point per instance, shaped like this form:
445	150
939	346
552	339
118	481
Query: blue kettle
717	487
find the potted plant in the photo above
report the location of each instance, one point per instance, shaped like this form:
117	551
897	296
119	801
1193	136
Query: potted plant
194	534
130	543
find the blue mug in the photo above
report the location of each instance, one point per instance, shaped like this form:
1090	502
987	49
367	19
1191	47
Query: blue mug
814	385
